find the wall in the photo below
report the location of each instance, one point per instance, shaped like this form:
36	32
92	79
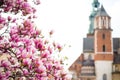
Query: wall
103	67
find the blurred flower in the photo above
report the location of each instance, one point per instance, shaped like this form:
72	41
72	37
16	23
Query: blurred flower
26	61
9	18
2	20
51	32
25	71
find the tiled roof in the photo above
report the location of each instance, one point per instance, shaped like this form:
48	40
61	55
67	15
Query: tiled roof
116	44
116	59
102	12
88	44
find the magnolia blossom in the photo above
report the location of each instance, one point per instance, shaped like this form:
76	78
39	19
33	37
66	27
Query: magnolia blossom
27	53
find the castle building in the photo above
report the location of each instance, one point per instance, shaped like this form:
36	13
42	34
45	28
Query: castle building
100	59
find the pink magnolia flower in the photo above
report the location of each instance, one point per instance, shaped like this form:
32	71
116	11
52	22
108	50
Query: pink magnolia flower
8	73
59	47
12	60
25	71
29	53
24	55
38	62
41	69
5	63
39	44
9	18
28	24
38	32
26	61
14	20
27	9
50	50
45	54
3	77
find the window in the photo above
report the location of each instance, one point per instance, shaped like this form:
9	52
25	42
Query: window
104	77
103	36
103	48
103	21
116	68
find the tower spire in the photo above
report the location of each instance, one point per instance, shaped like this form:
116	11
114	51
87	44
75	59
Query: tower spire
95	6
102	12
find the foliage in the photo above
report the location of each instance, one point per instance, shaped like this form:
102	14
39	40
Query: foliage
28	55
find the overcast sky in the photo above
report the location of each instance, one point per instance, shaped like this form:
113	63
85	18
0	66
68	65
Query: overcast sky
70	21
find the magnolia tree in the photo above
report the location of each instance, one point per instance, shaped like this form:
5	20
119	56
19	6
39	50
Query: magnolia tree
28	55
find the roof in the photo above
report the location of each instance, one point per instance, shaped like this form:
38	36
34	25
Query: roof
116	44
102	12
78	61
88	44
116	59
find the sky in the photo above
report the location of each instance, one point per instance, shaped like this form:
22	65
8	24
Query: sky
70	21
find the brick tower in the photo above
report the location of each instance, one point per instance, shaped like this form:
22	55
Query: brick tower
103	45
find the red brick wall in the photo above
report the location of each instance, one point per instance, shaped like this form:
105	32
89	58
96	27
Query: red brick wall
107	41
107	57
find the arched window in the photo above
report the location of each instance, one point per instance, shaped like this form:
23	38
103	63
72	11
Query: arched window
104	77
103	21
103	48
103	36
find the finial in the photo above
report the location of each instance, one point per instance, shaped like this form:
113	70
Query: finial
102	8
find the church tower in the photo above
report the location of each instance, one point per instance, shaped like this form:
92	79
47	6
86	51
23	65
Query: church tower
100	59
103	47
95	6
